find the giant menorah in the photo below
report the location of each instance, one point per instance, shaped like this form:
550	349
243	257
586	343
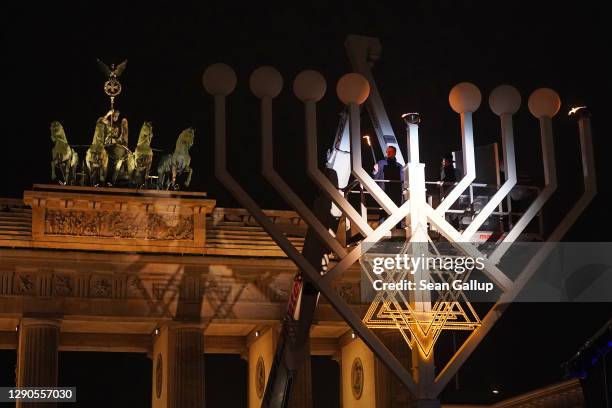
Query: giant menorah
353	89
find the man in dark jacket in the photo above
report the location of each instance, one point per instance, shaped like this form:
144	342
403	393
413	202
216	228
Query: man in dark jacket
391	172
447	170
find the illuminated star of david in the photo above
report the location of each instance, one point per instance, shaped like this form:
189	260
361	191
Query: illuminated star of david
391	309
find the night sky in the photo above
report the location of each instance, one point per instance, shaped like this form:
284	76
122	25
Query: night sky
49	73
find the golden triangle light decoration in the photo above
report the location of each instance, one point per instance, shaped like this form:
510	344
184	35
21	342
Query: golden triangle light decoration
391	309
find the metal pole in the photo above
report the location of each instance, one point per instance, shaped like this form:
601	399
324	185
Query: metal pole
469	166
550	185
422	365
504	190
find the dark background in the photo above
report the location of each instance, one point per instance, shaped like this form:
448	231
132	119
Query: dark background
49	73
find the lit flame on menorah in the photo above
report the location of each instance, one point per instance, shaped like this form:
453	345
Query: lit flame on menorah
353	89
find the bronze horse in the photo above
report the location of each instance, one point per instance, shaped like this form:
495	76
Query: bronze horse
97	157
63	157
172	165
143	156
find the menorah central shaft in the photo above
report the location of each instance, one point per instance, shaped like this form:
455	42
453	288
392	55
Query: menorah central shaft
417	233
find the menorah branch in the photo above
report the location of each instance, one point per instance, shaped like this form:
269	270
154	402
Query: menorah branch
504	190
357	167
464	98
267	168
312	169
550	185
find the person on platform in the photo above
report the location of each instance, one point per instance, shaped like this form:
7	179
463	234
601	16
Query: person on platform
391	177
390	172
448	174
447	170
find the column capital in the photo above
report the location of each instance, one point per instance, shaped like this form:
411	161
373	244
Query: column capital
260	330
183	325
190	326
39	322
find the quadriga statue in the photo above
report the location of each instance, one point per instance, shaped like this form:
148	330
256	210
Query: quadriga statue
63	157
177	163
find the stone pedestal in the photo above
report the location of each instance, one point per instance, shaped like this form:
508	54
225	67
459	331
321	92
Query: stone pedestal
37	355
178	367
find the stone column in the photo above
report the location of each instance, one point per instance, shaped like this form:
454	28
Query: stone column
389	390
262	347
178	366
358	373
301	390
37	356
